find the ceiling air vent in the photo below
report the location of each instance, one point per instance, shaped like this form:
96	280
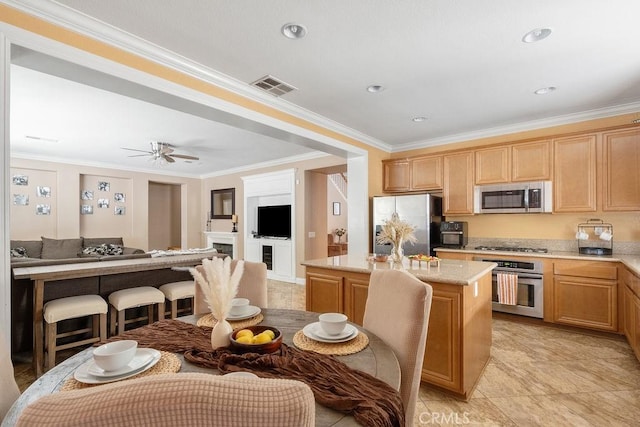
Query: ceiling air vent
273	86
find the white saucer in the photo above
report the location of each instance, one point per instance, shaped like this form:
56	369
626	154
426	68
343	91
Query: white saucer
141	358
252	310
81	374
315	332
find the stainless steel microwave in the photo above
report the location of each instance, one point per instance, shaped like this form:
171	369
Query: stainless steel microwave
519	197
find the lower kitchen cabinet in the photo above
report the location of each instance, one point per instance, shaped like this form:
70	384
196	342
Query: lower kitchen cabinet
631	316
459	335
585	294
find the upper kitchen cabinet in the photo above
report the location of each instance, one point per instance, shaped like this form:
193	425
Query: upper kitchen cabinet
426	173
492	165
396	175
574	174
458	183
417	174
531	161
621	177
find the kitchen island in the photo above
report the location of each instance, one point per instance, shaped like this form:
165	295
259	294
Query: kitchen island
459	335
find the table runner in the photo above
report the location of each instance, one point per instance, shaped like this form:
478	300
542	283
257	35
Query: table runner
371	401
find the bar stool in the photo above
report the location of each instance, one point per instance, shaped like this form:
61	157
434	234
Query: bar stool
71	308
175	291
120	301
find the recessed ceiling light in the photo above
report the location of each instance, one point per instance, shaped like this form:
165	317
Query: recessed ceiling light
536	35
419	119
294	31
545	90
375	88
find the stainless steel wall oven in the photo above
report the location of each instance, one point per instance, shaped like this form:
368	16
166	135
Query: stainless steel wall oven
530	285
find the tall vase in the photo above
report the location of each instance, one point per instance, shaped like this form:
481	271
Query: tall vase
220	334
397	252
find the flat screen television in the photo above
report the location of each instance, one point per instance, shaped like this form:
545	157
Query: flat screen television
274	221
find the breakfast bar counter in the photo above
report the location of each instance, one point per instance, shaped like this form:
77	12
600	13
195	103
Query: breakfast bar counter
459	335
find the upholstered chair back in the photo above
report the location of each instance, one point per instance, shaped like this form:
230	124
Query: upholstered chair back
10	391
253	285
184	399
397	310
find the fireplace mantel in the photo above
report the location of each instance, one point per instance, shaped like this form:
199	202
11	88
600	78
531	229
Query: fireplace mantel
222	238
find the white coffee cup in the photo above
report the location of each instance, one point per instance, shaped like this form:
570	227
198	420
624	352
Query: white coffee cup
581	235
606	236
239	306
333	323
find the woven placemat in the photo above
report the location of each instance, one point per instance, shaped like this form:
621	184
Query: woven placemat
169	363
355	345
210	321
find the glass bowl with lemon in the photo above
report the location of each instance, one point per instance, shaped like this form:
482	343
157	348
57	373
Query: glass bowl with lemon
256	339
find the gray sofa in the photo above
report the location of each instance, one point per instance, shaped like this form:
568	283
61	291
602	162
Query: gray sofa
72	251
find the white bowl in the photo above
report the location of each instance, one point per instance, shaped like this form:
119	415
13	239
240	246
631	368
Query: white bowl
239	306
333	323
115	355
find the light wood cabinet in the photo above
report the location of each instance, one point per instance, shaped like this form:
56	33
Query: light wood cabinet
574	174
396	175
531	161
458	178
337	291
631	315
621	177
493	165
426	173
418	174
585	294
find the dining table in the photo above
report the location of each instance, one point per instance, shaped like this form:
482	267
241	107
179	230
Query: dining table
376	359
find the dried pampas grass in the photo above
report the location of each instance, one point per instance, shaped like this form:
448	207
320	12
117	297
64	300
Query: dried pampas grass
218	285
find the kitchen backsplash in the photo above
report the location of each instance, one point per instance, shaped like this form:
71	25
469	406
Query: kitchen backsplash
630	248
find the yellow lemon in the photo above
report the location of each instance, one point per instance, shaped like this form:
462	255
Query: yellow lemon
270	333
245	339
244	332
261	339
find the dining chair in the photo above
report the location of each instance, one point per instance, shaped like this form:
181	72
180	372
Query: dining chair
253	286
397	311
187	399
10	391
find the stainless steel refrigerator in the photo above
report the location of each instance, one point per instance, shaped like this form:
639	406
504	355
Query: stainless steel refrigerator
423	211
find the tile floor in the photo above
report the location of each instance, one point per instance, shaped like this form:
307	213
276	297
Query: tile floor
538	376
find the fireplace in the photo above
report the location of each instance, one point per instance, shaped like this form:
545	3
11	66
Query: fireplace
223	242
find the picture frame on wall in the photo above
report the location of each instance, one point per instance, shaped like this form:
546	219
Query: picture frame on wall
86	209
103	186
119	210
119	197
87	195
336	208
42	191
43	209
20	179
103	203
21	199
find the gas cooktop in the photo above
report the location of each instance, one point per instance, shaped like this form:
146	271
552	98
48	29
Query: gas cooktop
511	249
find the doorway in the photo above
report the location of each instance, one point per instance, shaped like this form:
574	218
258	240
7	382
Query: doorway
165	216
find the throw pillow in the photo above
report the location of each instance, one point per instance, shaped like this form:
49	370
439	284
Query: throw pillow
93	250
111	249
19	252
60	248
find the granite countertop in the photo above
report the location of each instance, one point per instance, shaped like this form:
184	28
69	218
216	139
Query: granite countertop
455	272
629	260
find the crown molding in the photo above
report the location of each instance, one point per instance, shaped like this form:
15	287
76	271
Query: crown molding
599	113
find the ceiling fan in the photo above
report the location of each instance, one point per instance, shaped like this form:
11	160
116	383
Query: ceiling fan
161	151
